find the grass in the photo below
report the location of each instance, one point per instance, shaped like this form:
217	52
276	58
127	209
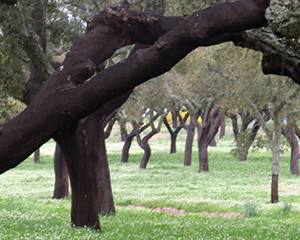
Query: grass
208	199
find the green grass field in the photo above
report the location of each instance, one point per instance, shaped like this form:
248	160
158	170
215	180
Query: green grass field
214	205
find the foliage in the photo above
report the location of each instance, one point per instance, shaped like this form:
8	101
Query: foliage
250	209
261	142
287	207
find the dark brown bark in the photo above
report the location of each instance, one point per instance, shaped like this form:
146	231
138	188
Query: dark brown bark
126	148
173	148
107	206
83	146
109	127
146	155
290	134
143	141
274	189
36	156
61	185
211	120
188	150
123	131
213	143
203	156
80	144
128	140
61	100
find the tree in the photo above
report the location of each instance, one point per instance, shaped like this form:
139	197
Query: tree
244	134
70	93
265	98
176	122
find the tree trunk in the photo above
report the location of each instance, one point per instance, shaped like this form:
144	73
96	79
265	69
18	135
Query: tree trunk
173	148
61	185
126	148
123	132
243	152
188	151
36	156
275	160
80	145
213	143
223	128
83	145
290	134
107	206
146	155
203	157
274	189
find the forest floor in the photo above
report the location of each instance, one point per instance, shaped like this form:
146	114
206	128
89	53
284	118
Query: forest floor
165	201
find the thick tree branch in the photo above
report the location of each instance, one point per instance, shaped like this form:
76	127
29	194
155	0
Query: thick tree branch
60	101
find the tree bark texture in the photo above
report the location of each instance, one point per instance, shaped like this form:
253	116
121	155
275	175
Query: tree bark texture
188	150
290	134
206	133
128	142
61	184
275	160
83	145
143	141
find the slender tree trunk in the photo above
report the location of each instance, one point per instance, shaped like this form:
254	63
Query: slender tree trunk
294	167
275	161
61	185
188	151
146	156
36	156
173	148
274	189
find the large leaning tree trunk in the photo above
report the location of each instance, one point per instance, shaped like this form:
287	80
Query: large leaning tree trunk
83	145
244	135
61	184
67	96
188	150
211	120
143	141
175	127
